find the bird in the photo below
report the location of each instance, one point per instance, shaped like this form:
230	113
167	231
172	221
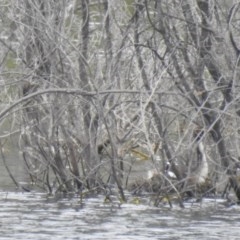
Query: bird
168	172
190	177
195	180
151	173
201	173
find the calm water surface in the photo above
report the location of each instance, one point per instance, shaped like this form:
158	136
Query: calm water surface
36	216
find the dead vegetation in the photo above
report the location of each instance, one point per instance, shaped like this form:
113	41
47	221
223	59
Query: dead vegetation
101	93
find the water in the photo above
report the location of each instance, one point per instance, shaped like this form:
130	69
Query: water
34	216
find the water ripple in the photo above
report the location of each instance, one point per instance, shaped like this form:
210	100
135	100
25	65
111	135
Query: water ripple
33	216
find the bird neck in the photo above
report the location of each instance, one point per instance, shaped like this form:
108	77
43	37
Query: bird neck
203	168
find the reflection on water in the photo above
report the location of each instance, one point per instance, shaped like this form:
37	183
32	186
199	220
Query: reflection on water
33	216
16	167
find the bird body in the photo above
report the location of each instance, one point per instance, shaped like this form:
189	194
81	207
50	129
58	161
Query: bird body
151	173
189	176
171	174
168	172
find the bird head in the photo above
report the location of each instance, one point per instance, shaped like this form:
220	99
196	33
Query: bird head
198	134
